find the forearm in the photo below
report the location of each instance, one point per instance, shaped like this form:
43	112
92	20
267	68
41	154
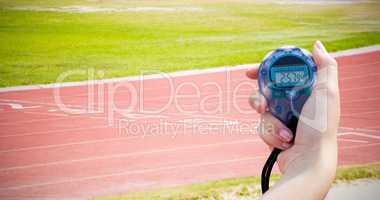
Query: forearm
314	174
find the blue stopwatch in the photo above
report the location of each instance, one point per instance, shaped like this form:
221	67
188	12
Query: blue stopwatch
286	79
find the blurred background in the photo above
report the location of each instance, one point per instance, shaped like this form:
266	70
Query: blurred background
47	153
39	39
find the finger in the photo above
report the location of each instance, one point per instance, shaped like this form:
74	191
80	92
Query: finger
274	133
258	101
252	73
327	75
322	57
325	96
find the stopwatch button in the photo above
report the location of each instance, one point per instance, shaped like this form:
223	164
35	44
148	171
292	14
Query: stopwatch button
292	95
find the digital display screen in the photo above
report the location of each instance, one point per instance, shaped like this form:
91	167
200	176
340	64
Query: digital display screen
289	76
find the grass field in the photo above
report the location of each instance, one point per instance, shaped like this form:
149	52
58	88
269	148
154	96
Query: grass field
238	187
37	45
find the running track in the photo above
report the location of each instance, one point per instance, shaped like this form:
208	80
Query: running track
100	149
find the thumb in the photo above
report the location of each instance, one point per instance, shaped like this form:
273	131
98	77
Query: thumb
322	110
322	57
327	66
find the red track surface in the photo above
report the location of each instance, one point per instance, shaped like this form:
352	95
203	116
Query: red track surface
48	153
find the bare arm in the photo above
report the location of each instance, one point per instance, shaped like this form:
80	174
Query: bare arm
308	165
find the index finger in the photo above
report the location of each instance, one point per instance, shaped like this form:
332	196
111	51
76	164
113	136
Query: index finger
252	73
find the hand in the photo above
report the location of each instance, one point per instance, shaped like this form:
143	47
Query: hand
315	147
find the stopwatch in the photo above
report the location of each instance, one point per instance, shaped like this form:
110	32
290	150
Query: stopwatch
286	79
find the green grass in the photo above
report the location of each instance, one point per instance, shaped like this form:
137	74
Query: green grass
358	172
36	47
246	186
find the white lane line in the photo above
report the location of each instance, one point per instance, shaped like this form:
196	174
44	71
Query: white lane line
190	105
360	88
343	134
53	131
142	171
154	98
48	119
362	64
91	141
124	155
361	50
360	76
360	130
146	89
350	140
361	145
181	115
124	138
39	103
210	102
18	106
163	97
84	95
135	153
353	140
361	100
138	89
361	113
152	170
367	135
185	73
68	144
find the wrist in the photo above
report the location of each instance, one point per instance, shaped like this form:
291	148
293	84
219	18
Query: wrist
316	167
